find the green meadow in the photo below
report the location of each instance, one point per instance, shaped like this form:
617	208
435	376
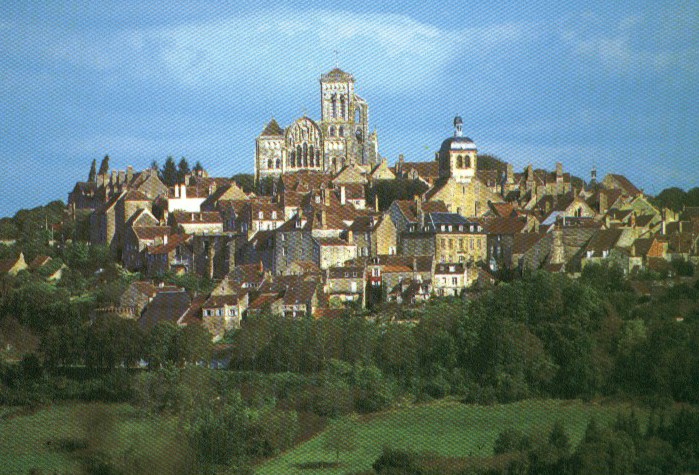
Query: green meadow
64	438
449	429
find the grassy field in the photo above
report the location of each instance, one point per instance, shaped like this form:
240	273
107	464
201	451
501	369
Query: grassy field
59	438
446	428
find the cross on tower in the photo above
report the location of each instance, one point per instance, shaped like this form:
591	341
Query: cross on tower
337	65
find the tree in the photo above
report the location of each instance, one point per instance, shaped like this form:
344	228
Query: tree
168	174
198	167
193	344
104	166
182	170
161	344
341	436
93	171
511	440
673	198
154	165
245	181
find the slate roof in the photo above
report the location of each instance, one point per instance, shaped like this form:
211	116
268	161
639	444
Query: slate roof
603	240
504	225
272	129
625	184
193	314
165	306
204	217
135	195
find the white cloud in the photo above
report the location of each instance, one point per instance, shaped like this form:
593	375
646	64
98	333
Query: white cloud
634	44
277	47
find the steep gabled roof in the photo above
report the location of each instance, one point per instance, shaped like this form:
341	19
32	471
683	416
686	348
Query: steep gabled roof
603	240
165	306
272	129
625	184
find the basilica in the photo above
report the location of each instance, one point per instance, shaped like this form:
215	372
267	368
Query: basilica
340	138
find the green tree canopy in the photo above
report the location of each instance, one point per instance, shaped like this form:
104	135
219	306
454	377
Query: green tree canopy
93	171
168	174
182	170
104	166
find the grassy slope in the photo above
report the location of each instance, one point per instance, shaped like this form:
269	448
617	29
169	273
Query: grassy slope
445	428
31	441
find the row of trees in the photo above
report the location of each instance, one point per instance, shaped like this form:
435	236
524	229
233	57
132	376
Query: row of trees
170	173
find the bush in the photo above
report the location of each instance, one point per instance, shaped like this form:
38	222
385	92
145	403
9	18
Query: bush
511	440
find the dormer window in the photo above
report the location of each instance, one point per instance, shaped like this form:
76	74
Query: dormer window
298	224
317	198
260	215
274	215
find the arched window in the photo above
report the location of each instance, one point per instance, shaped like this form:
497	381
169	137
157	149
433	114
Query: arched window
317	158
357	115
305	154
292	159
341	131
279	163
332	131
299	156
269	163
459	162
342	107
334	106
467	161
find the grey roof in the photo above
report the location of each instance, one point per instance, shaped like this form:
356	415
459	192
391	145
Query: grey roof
165	306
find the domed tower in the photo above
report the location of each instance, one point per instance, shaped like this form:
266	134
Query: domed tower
458	156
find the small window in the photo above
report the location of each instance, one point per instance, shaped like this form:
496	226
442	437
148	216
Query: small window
260	215
454	280
274	215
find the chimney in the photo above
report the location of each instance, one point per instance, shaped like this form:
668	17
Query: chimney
113	178
530	173
323	218
510	177
177	191
414	263
350	237
376	202
325	197
603	202
342	195
129	174
211	189
559	171
121	177
401	164
183	193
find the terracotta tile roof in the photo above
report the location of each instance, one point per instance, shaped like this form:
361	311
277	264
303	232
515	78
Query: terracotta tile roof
525	241
173	241
626	184
151	233
425	170
305	181
196	191
193	314
204	217
504	225
503	209
424	263
409	208
642	246
330	313
346	272
263	300
363	224
39	261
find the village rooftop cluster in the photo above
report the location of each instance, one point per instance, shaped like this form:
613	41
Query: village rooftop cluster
315	245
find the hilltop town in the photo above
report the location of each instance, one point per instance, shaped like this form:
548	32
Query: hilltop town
316	242
330	282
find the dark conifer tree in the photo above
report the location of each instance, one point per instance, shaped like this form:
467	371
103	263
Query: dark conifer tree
104	166
169	172
182	169
198	167
93	171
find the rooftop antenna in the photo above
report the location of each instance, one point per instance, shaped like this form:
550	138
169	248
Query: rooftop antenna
337	63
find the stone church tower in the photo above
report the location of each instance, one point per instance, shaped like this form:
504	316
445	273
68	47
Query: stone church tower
341	137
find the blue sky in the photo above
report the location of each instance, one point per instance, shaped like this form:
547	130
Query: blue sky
607	83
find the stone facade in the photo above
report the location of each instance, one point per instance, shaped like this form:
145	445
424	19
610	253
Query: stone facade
341	137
